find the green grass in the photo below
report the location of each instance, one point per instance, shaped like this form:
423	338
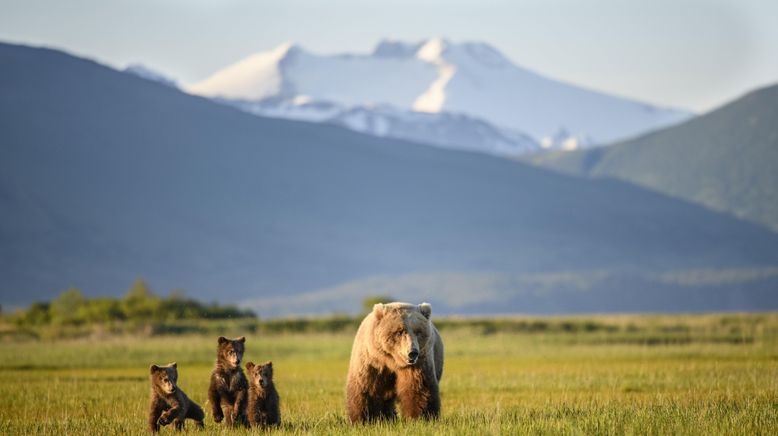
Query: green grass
708	374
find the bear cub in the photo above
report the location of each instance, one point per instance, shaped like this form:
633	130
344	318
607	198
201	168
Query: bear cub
229	388
263	406
168	402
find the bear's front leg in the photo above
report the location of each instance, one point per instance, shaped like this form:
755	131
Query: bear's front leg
179	418
418	393
216	402
363	405
169	415
228	415
155	411
356	402
239	407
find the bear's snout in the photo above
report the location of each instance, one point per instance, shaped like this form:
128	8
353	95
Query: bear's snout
413	355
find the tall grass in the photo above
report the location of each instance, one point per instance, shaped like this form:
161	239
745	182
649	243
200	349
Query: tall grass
634	378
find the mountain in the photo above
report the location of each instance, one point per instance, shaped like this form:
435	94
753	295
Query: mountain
147	73
443	129
436	76
106	177
726	160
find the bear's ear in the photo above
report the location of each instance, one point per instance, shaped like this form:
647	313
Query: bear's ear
242	339
425	310
249	365
378	310
173	365
153	369
269	363
222	340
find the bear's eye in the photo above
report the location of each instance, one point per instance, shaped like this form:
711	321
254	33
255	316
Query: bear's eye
398	333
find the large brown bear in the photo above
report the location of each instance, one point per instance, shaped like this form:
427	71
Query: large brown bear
228	391
397	355
168	402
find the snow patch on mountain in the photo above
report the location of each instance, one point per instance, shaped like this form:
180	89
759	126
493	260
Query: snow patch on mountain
147	73
461	82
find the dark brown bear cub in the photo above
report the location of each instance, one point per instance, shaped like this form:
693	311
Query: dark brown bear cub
229	388
263	410
168	402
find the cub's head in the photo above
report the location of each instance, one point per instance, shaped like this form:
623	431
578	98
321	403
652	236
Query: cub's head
164	378
260	375
403	331
230	351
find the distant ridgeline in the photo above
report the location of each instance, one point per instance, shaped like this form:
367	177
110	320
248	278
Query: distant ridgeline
71	308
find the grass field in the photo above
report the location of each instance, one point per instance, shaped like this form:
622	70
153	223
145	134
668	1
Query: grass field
707	374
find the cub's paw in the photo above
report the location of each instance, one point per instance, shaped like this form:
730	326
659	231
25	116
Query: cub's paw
164	420
218	417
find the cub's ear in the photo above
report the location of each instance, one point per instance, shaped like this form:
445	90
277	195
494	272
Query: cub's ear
173	365
222	340
378	310
242	339
249	365
269	363
153	369
425	310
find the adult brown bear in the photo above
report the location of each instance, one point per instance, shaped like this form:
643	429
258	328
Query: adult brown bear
397	355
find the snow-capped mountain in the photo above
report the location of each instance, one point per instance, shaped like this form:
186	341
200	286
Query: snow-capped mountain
147	73
446	89
444	129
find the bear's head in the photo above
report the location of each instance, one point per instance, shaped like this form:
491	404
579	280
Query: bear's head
230	352
403	331
164	378
260	376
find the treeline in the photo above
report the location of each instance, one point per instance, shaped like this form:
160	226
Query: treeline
140	304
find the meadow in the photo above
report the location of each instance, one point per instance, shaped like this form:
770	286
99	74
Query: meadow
682	374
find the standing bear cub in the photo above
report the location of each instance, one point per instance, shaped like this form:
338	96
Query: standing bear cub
263	407
168	402
397	355
228	390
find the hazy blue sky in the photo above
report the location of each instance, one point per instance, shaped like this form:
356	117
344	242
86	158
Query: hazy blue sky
693	54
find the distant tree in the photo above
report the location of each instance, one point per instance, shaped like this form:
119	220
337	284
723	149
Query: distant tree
369	302
65	308
140	303
101	310
178	306
38	314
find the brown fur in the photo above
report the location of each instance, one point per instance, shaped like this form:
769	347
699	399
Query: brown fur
382	368
229	388
168	402
263	406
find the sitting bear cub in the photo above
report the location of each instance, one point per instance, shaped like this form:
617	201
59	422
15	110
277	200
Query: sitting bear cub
168	402
263	407
228	389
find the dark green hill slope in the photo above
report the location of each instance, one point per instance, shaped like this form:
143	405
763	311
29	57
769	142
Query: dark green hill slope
726	160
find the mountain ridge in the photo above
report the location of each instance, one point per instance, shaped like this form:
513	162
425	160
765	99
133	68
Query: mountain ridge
105	177
724	159
438	76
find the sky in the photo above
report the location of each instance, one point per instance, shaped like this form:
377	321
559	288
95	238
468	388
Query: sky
690	54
